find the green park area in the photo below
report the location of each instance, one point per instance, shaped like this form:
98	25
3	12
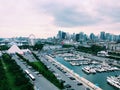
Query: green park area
12	76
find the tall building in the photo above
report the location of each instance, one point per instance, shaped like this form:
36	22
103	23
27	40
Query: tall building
115	38
102	36
61	35
85	37
92	36
81	36
73	37
108	36
118	41
77	37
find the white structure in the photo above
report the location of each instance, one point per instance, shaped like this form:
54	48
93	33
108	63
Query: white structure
102	53
14	49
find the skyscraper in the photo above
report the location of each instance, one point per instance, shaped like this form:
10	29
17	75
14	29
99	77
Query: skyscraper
77	37
92	36
61	35
102	36
81	36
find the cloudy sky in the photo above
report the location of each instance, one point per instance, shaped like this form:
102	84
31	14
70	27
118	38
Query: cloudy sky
44	18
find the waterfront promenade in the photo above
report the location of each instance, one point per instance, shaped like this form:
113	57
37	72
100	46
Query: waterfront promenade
75	75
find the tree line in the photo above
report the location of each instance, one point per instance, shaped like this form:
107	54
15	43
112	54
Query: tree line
92	50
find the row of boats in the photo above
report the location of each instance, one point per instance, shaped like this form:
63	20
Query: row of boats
98	68
114	81
83	62
77	60
74	58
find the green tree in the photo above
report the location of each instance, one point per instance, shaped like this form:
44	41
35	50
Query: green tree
38	46
4	47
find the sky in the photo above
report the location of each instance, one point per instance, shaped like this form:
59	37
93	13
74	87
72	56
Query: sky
44	18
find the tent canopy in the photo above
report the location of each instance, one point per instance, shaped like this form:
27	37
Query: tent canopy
14	49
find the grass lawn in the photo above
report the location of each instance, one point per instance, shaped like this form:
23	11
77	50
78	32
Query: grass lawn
10	78
38	64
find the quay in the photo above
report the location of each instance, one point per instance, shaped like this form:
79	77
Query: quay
75	75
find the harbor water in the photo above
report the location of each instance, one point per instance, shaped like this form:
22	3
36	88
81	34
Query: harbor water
98	79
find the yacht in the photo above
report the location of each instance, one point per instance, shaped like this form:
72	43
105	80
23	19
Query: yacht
114	81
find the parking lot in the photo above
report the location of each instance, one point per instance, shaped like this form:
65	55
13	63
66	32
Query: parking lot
70	82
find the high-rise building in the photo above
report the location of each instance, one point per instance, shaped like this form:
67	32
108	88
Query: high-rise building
92	36
61	35
102	36
81	36
115	37
108	36
77	37
73	37
85	37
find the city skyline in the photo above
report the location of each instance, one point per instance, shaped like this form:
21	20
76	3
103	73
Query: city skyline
45	18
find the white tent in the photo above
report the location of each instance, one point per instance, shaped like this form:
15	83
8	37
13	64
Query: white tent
14	49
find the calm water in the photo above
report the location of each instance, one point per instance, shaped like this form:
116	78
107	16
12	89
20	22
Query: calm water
98	79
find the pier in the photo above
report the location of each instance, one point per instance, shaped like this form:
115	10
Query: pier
75	75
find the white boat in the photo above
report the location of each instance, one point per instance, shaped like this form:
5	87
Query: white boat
114	81
86	70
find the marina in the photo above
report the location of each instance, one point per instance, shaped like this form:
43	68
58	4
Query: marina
89	66
76	60
94	69
70	73
98	79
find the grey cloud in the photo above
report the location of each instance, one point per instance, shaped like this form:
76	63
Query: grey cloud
69	17
112	12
